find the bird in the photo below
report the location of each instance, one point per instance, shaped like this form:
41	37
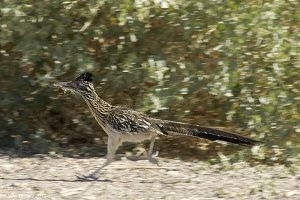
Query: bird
123	124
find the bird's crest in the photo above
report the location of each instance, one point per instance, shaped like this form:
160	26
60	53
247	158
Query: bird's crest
86	76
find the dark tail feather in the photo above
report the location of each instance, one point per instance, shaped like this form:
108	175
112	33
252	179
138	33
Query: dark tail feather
177	128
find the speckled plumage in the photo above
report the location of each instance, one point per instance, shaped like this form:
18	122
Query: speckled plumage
123	124
125	120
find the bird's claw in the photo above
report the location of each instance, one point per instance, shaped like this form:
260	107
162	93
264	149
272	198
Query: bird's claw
90	177
153	160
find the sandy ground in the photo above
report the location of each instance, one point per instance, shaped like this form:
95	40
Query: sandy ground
44	177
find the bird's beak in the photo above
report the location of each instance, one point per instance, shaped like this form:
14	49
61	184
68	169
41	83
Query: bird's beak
65	86
60	84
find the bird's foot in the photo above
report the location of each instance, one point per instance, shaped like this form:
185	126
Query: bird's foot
90	177
153	159
154	155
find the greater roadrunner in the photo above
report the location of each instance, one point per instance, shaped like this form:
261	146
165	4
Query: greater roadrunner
123	124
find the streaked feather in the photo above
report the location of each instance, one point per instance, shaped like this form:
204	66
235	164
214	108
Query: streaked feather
125	120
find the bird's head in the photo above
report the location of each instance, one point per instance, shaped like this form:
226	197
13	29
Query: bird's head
82	85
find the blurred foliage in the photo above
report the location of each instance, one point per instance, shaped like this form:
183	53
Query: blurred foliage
212	62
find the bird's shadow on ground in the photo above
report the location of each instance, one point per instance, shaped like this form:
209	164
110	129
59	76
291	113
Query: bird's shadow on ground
54	180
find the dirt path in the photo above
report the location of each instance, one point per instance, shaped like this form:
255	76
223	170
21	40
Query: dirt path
54	178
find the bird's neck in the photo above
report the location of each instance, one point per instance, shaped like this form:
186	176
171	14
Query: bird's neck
98	107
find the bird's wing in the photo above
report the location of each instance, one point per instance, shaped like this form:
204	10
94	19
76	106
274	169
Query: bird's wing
129	121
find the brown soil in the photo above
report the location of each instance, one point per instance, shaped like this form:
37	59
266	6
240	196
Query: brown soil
45	177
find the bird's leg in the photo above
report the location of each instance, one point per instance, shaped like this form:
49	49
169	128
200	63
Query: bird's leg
150	152
112	146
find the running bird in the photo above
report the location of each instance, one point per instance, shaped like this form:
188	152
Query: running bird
125	125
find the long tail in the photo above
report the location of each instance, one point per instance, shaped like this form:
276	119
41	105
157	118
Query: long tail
177	128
